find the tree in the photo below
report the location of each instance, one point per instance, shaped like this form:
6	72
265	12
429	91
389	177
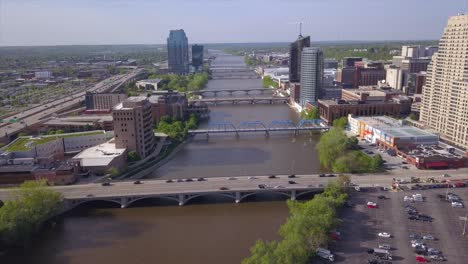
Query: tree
311	114
377	163
133	156
269	82
114	171
340	122
414	117
60	131
332	145
23	216
352	143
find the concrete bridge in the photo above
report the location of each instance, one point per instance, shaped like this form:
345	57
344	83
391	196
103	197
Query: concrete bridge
234	76
238	100
231	92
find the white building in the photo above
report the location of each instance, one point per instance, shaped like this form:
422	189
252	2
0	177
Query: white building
43	75
394	77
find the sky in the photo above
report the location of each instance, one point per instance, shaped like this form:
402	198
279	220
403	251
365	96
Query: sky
83	22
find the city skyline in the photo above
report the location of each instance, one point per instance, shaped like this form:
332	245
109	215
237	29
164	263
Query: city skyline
29	23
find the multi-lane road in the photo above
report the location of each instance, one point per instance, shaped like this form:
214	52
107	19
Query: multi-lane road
35	114
156	187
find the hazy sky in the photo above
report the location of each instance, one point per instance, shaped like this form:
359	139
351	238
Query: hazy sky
64	22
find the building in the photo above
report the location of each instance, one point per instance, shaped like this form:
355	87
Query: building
413	51
197	57
150	84
170	103
99	159
43	75
103	101
330	63
394	77
414	65
347	77
350	61
85	122
295	53
311	75
366	101
430	50
420	81
369	76
133	125
445	95
177	52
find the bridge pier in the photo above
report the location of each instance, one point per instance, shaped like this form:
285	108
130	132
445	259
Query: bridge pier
181	198
293	195
238	197
123	202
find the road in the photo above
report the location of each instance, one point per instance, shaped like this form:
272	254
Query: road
33	115
151	187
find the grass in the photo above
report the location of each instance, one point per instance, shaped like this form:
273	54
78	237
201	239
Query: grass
21	144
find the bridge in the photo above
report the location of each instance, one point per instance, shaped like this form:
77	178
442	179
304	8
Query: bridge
234	76
124	194
238	100
258	126
230	92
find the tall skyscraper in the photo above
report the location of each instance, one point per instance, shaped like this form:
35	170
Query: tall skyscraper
445	95
311	75
295	51
197	56
177	52
133	125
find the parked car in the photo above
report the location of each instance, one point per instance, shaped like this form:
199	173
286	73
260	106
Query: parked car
384	234
137	182
371	205
261	186
457	205
437	257
408	199
428	237
331	175
384	246
382	197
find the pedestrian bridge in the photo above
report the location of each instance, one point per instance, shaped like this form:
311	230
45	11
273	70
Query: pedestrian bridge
240	100
258	126
231	92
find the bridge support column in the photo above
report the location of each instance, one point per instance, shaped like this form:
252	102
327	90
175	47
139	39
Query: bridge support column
123	202
207	136
238	197
293	195
181	198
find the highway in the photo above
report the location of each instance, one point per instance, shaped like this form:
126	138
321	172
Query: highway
34	114
152	187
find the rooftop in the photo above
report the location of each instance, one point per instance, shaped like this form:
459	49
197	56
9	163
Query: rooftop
27	143
100	155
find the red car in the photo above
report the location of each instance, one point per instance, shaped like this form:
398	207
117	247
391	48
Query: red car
372	206
421	259
460	184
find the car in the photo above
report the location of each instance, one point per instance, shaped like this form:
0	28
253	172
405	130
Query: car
460	184
428	237
370	251
331	175
322	175
412	217
385	246
224	188
252	178
404	162
445	175
420	251
169	181
382	197
272	176
437	257
421	259
279	187
89	195
137	182
232	178
201	179
188	180
372	203
180	180
292	182
408	199
384	234
424	218
457	205
433	251
261	186
105	184
415	236
292	176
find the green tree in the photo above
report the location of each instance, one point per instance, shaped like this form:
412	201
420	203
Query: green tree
269	82
340	122
310	114
23	216
60	131
332	145
133	156
113	171
352	143
414	117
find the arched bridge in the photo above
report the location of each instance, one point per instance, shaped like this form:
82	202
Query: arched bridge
258	126
239	100
231	92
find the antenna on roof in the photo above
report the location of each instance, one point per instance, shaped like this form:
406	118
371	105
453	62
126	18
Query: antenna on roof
300	28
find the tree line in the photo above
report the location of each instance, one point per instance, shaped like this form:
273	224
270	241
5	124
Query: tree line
307	228
177	130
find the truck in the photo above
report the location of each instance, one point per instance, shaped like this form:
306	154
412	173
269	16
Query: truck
326	254
382	254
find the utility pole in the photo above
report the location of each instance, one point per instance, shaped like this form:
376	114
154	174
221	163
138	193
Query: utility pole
464	226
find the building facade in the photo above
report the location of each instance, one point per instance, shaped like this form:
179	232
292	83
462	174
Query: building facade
445	95
350	61
197	57
311	75
295	53
177	52
133	125
103	101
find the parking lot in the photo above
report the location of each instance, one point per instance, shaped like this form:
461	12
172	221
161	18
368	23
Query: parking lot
361	225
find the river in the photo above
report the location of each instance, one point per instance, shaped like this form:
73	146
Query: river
198	232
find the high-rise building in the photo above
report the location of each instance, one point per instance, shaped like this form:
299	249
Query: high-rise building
197	56
133	125
311	75
330	63
445	95
177	52
295	51
394	77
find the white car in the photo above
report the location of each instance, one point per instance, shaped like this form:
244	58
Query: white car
252	178
384	234
408	199
279	187
384	246
371	203
457	204
428	237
